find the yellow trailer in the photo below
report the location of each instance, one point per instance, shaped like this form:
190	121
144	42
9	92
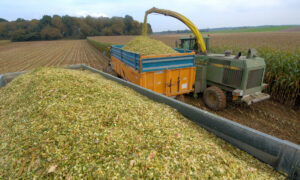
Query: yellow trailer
168	74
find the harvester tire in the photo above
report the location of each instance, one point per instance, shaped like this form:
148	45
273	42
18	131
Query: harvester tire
214	98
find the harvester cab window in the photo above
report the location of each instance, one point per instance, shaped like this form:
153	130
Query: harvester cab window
189	44
192	43
195	46
186	45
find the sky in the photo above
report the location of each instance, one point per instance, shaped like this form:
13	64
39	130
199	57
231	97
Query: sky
203	13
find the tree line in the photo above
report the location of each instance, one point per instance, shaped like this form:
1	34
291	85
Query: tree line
58	27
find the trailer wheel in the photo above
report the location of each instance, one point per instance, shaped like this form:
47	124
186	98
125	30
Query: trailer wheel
180	97
214	98
109	70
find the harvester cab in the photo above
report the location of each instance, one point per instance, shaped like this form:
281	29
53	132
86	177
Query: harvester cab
190	43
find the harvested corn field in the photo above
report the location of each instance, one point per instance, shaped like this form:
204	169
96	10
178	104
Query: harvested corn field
144	45
28	55
77	124
277	40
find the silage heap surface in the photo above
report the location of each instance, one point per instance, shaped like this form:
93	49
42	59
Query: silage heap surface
69	123
144	45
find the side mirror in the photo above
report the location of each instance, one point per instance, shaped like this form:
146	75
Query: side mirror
238	55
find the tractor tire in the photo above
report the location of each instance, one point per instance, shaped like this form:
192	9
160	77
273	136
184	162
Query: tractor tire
214	98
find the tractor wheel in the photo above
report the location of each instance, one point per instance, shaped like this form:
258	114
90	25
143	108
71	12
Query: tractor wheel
214	98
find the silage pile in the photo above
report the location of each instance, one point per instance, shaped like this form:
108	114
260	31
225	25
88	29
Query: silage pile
144	45
74	124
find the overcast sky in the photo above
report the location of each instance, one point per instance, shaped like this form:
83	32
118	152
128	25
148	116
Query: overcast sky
204	13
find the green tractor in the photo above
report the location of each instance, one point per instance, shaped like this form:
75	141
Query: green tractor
223	76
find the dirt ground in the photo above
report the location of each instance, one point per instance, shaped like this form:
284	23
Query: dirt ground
268	116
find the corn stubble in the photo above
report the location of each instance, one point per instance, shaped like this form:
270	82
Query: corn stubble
144	45
74	124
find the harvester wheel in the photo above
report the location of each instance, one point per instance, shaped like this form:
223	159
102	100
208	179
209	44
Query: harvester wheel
214	98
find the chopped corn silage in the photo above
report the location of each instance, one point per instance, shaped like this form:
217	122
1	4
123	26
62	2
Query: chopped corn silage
73	124
147	46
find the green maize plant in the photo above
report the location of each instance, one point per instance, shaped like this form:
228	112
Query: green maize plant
282	74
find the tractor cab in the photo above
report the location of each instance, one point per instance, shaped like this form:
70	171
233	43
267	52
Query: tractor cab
189	43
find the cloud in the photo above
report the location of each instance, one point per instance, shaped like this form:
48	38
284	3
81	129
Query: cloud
93	14
229	4
203	13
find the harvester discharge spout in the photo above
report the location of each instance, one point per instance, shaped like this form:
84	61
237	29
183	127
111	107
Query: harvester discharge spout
186	21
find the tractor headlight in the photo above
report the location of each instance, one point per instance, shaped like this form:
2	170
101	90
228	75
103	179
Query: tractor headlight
237	92
264	86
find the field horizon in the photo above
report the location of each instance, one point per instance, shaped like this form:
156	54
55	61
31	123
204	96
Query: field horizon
239	29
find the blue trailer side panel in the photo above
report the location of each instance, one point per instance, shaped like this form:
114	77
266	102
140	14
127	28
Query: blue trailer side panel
129	58
172	62
154	63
